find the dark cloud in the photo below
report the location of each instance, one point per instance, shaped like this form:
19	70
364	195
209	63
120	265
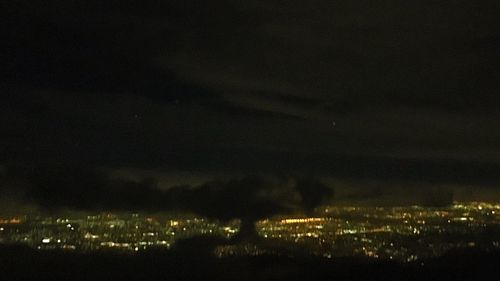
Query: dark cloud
313	192
55	187
437	197
253	87
253	197
418	55
369	192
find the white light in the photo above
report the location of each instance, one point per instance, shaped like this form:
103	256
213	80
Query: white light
46	240
1	228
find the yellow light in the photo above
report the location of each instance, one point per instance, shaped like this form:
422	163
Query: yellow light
11	221
302	220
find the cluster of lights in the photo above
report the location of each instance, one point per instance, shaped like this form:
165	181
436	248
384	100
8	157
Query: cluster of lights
344	231
11	221
302	220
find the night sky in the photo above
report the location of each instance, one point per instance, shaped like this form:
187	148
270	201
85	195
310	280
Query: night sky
192	92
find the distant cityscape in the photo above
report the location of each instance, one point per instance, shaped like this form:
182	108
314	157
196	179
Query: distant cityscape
405	234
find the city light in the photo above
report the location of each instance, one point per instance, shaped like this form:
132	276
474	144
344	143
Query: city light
406	234
302	220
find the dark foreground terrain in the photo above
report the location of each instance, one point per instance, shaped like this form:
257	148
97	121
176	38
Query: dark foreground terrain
22	263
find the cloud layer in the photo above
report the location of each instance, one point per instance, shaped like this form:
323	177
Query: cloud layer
83	188
243	87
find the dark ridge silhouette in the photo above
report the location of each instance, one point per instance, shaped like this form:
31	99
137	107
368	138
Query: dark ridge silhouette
22	263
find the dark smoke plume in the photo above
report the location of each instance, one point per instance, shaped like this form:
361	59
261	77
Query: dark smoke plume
249	199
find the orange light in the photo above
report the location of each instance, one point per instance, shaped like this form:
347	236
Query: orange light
302	220
11	221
